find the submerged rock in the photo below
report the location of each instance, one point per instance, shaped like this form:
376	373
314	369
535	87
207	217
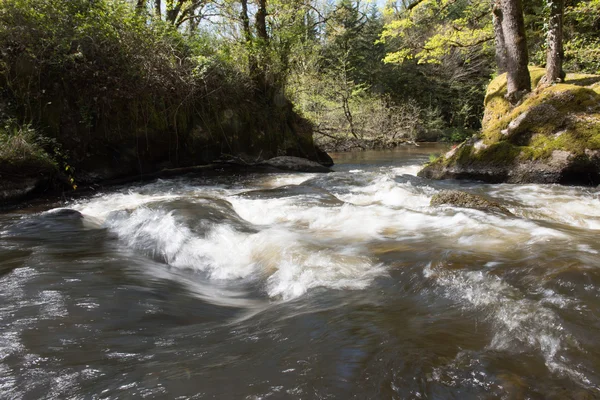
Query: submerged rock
466	200
552	137
71	217
298	164
315	195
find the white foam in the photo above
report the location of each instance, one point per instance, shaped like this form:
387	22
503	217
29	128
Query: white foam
299	244
519	322
467	228
384	190
288	179
407	170
574	206
101	206
586	248
290	262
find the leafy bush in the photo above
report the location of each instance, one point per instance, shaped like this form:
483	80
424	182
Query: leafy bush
582	47
456	135
342	110
120	89
22	151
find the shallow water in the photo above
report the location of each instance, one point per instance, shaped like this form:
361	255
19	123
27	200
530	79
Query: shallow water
341	285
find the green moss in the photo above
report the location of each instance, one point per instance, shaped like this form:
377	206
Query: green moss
433	158
558	117
542	146
565	98
591	131
498	154
581	136
498	86
571	96
574	128
462	155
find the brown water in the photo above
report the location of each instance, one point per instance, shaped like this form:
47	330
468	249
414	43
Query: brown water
308	286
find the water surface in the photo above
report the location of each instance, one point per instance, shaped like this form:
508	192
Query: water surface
311	286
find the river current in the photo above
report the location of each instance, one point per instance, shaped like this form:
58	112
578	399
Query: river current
303	286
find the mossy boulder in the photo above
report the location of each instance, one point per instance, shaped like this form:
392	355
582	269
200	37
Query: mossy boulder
457	198
552	136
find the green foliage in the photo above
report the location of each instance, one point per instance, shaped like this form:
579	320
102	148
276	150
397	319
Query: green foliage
433	158
344	111
111	89
104	81
456	35
22	151
432	30
456	135
445	47
582	31
338	76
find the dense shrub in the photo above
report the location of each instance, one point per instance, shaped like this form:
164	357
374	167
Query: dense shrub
124	93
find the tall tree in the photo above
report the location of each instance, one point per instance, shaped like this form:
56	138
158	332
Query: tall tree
517	56
246	22
261	21
173	10
500	44
554	41
157	8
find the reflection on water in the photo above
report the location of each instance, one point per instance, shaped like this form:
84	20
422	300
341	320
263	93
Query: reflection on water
341	285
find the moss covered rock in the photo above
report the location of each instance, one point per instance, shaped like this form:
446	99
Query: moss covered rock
553	136
466	200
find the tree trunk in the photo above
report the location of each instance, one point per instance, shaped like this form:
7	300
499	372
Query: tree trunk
246	22
157	7
501	60
193	25
263	42
171	15
261	21
513	29
554	41
252	63
173	12
139	7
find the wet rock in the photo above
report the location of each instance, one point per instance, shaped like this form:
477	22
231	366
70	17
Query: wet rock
289	163
466	200
72	218
319	196
323	158
560	166
15	190
64	213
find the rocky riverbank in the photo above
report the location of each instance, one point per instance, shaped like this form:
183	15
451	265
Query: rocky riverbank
553	136
14	189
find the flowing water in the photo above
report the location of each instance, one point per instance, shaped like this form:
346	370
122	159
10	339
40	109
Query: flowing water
309	286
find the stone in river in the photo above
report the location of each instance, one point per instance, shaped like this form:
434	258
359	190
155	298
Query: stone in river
466	200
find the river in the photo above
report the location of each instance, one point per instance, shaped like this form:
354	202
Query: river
303	286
